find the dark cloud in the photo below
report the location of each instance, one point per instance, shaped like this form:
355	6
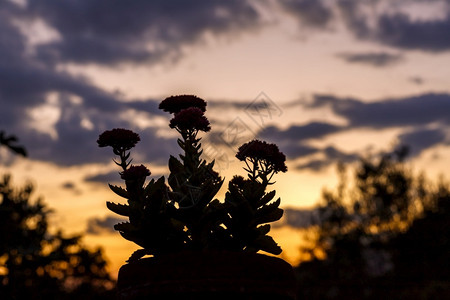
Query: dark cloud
331	156
295	150
369	20
409	111
229	104
414	115
313	130
353	17
422	139
400	30
97	226
310	13
334	154
315	165
104	178
115	31
293	141
83	110
374	59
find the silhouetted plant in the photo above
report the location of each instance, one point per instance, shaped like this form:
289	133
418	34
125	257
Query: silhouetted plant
247	202
184	215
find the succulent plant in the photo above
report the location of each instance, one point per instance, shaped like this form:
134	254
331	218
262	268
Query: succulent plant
183	214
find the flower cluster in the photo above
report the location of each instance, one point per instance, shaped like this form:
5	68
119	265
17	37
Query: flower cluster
118	139
175	104
188	113
135	173
262	151
237	180
191	118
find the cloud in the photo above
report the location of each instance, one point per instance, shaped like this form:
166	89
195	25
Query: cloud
74	111
313	130
115	31
392	24
402	31
423	121
373	59
409	111
331	156
310	13
422	139
108	177
293	141
97	226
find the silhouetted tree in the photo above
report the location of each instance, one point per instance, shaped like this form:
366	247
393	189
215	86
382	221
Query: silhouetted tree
361	237
36	264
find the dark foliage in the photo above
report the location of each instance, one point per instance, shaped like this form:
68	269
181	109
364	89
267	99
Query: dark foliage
386	237
36	264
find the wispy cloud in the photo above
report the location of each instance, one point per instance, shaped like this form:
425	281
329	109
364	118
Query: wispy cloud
374	59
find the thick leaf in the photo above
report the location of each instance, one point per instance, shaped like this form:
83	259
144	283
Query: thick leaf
138	254
120	209
264	229
175	166
268	208
273	216
266	198
119	191
155	187
266	243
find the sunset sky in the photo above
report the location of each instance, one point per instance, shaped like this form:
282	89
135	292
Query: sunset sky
326	80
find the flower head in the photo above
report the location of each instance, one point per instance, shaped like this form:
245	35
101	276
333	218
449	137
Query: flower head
175	104
238	181
118	138
190	118
135	173
260	150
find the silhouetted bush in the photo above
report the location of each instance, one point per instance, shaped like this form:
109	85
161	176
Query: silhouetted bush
36	264
388	235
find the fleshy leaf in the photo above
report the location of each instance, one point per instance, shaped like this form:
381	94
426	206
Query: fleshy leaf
125	227
138	254
119	191
120	209
266	243
266	198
